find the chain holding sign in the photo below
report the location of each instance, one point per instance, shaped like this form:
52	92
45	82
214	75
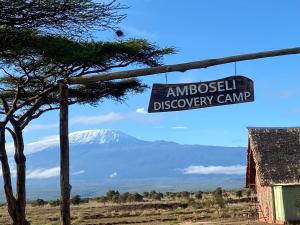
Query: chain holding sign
176	97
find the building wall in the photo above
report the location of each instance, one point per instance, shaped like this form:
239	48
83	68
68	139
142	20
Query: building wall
265	201
291	202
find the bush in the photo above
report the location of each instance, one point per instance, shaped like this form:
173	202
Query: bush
135	197
102	199
55	202
112	193
185	194
146	194
124	197
39	202
239	194
194	204
76	200
217	193
152	193
115	199
156	196
198	195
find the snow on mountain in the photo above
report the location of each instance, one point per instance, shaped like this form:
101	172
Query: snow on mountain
101	136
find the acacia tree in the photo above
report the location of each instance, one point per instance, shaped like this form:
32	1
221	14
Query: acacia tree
37	50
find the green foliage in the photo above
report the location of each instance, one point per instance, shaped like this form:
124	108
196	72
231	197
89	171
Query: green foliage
217	193
135	197
198	195
69	17
248	192
39	202
75	200
146	194
185	194
111	193
239	194
33	61
102	199
54	202
116	197
220	202
156	195
124	197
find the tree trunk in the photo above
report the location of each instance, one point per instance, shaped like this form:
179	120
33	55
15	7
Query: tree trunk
21	174
10	199
65	186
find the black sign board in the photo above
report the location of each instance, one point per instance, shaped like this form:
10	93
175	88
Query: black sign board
175	97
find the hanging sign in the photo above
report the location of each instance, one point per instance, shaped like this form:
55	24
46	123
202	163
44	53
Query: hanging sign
226	91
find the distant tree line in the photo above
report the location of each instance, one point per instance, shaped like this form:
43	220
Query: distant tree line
217	199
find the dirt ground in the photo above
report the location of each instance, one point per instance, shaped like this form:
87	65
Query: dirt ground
148	213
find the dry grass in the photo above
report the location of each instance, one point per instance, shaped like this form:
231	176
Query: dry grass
150	213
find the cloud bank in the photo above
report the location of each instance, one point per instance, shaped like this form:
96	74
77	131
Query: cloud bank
227	170
43	173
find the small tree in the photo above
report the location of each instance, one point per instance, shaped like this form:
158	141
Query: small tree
54	202
239	194
217	193
39	202
156	196
75	200
185	194
146	194
198	195
111	193
124	197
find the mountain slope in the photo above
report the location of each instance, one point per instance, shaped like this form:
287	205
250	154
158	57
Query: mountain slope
112	159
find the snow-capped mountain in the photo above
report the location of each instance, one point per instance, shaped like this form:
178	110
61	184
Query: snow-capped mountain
100	136
103	136
112	159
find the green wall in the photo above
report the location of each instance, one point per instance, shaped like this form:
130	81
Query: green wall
287	202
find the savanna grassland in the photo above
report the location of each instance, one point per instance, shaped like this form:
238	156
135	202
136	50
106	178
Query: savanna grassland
153	208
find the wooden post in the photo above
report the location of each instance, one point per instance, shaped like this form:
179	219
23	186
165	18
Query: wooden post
65	187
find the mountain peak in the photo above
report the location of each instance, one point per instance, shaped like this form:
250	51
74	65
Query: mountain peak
101	136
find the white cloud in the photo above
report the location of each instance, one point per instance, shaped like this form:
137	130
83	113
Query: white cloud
43	173
78	172
179	127
36	146
141	111
228	170
113	175
88	120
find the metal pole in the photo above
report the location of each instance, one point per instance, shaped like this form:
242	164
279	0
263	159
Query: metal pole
65	186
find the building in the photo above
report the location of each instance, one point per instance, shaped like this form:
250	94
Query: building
273	168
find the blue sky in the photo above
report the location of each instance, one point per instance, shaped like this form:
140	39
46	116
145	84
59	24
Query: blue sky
202	30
